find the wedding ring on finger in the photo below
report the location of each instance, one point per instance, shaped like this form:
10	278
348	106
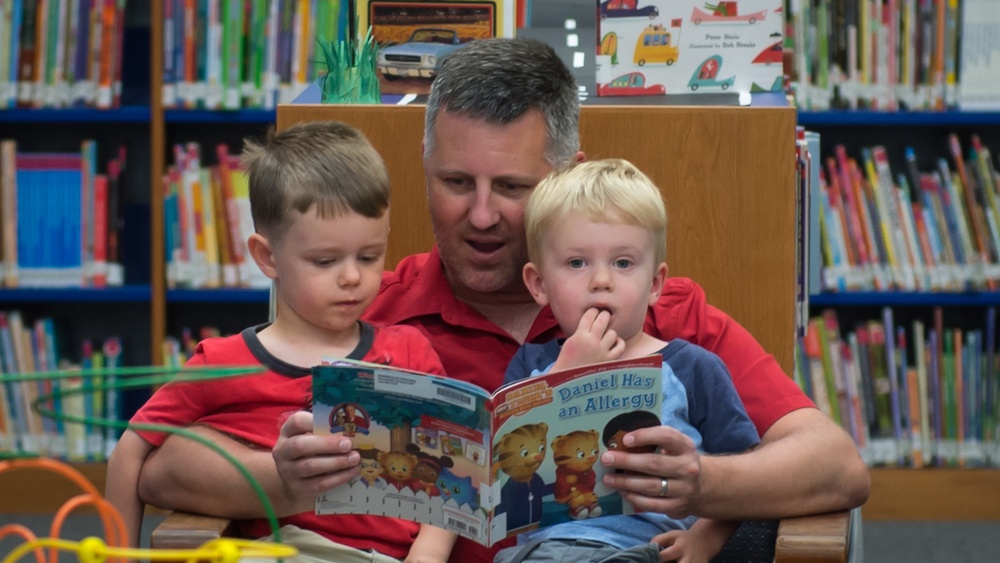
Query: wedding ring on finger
663	487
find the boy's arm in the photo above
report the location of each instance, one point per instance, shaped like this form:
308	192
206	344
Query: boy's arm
702	542
432	545
121	490
301	466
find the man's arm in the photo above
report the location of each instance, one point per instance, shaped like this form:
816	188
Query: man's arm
301	466
805	464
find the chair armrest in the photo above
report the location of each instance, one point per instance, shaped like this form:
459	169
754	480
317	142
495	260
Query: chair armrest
183	530
821	537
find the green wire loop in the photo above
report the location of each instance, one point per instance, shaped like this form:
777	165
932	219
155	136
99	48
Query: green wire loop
134	377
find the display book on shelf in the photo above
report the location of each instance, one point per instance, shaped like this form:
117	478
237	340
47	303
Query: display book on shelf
449	450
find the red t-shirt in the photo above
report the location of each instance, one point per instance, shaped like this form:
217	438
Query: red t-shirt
476	350
253	408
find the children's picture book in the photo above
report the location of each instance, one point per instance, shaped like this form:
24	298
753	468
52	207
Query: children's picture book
652	47
487	466
414	37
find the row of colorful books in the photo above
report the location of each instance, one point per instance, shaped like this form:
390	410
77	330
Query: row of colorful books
923	395
61	53
910	230
29	347
61	219
227	55
895	54
207	221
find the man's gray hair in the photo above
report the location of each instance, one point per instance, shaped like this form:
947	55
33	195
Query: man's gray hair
498	80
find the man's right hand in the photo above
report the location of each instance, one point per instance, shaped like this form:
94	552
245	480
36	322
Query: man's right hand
310	464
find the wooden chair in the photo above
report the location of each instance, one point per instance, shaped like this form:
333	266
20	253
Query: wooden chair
727	176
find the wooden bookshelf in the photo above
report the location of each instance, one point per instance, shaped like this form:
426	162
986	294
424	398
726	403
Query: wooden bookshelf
934	494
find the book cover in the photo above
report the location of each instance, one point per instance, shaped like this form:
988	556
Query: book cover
674	47
414	37
447	449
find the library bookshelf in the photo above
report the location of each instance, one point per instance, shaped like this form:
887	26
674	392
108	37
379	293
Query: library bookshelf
688	151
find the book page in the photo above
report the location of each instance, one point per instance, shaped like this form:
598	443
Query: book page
423	442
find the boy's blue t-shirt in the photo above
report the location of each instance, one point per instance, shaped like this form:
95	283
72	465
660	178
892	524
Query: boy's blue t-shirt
698	399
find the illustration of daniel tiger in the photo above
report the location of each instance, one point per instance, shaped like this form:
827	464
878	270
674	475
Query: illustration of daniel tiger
575	454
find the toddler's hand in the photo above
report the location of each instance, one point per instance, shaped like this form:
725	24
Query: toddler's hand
593	342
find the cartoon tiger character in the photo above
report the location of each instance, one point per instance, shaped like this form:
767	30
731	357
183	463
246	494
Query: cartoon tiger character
398	468
519	454
575	454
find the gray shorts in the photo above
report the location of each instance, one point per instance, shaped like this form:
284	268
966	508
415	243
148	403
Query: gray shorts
577	551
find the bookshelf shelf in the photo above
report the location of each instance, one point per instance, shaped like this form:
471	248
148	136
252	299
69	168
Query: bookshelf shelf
246	116
128	114
894	299
224	295
898	118
125	294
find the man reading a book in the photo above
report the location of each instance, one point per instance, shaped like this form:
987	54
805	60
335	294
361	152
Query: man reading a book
502	114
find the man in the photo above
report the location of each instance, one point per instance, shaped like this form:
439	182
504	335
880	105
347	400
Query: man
501	115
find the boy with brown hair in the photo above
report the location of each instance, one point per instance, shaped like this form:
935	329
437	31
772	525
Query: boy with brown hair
319	195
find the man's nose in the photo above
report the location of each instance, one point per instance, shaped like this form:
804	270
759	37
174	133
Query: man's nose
483	213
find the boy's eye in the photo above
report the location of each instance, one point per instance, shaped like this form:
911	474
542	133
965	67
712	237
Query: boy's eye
623	263
323	262
575	263
368	259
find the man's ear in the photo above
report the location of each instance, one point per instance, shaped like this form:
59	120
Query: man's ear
533	281
659	279
260	251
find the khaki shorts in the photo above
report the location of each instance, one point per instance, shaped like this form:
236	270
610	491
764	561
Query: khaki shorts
314	548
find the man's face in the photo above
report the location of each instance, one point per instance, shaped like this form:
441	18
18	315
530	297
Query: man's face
479	177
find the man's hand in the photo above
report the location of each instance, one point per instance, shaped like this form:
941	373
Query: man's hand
309	464
593	342
675	460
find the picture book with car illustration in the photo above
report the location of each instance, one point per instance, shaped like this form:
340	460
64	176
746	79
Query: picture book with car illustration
487	466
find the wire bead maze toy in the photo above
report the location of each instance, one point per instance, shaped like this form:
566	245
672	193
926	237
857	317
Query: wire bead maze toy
113	547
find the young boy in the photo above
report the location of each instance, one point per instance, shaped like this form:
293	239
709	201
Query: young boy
597	246
319	196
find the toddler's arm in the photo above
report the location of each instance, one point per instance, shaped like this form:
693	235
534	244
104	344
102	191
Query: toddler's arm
433	545
121	490
700	544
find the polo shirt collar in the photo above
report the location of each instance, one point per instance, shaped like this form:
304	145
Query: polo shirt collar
436	298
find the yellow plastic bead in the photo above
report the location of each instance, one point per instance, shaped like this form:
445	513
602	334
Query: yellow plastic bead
226	552
92	550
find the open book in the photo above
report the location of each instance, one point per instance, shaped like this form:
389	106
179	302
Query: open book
445	452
